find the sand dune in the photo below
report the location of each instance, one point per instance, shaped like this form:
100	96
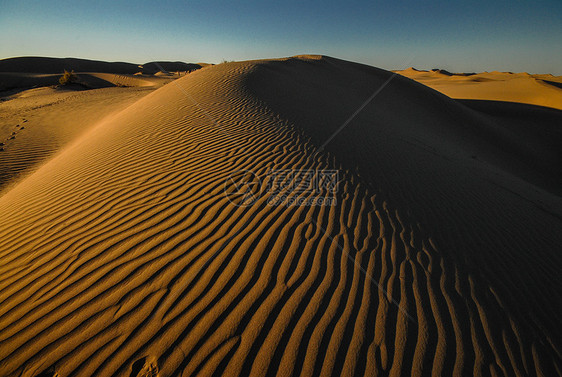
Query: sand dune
53	115
37	123
36	64
13	83
17	74
33	64
122	255
155	67
540	90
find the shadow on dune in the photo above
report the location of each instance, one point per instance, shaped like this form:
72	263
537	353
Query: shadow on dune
554	83
539	133
481	178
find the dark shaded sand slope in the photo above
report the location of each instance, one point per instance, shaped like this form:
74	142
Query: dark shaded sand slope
36	64
122	255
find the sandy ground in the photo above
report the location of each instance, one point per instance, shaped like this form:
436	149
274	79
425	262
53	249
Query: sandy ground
36	123
124	253
540	90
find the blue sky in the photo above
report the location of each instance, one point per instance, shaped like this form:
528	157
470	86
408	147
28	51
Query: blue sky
459	36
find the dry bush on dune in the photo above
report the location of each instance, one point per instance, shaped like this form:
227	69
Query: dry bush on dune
67	78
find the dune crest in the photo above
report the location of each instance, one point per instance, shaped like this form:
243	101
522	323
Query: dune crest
122	255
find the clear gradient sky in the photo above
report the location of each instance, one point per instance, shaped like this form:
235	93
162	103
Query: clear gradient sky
461	36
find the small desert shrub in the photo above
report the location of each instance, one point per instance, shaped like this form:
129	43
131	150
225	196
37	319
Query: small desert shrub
67	78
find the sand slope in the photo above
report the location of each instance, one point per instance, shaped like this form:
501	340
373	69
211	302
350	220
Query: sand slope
36	123
122	255
541	90
12	83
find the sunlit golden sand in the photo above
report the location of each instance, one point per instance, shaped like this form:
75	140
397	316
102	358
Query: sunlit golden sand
120	253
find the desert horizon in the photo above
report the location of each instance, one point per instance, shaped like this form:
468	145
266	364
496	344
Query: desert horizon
266	189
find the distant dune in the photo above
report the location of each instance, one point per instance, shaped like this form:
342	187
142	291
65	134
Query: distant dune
541	90
153	67
439	254
27	72
32	64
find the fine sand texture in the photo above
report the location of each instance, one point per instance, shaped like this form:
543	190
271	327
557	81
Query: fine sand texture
540	90
128	253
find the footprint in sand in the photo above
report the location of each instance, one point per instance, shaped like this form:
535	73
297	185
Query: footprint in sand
50	372
145	367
